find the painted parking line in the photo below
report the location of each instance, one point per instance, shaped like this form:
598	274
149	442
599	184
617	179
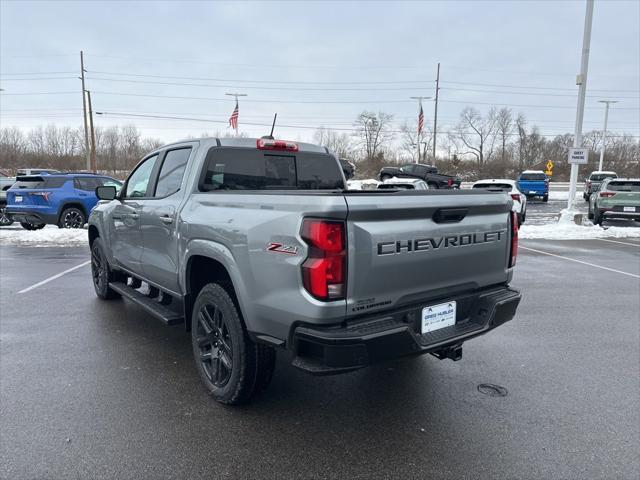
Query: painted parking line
54	277
617	241
580	261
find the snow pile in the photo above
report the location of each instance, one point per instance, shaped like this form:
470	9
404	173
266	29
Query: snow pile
368	184
48	236
571	231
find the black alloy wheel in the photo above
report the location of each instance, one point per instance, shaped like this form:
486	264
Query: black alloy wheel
214	344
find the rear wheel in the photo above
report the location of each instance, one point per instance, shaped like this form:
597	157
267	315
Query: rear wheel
72	217
101	272
545	198
232	367
5	218
597	217
32	226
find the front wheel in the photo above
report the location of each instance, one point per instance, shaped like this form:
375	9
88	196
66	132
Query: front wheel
32	226
5	218
72	218
545	198
232	367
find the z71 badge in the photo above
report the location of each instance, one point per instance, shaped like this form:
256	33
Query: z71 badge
280	248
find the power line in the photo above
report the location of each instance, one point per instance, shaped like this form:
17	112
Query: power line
4	74
532	87
506	92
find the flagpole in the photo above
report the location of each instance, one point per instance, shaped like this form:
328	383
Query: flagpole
419	129
236	95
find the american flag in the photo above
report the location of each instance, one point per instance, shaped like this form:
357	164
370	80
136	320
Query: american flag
233	119
420	120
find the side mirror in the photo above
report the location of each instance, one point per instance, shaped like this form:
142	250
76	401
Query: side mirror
106	192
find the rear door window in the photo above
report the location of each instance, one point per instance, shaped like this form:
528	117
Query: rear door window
172	171
86	184
246	169
598	177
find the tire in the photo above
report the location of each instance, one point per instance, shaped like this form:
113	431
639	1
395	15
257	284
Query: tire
32	226
597	217
385	176
72	217
590	214
5	218
586	197
101	272
433	186
545	198
232	367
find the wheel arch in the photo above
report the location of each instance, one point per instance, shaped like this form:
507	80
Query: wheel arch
208	262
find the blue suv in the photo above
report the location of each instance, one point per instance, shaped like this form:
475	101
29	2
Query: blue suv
63	199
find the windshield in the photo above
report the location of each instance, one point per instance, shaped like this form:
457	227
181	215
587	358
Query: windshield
396	186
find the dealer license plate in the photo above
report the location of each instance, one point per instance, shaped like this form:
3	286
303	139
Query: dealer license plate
629	209
435	317
18	199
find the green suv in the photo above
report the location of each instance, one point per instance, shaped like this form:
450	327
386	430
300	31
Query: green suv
615	198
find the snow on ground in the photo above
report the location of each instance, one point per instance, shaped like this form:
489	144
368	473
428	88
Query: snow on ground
571	231
48	236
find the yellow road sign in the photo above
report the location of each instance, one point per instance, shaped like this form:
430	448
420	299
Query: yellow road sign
549	166
548	173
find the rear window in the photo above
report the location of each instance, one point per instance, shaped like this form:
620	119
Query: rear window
229	168
503	186
396	186
598	177
624	186
40	182
533	177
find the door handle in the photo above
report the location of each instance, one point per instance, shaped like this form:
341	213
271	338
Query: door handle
166	219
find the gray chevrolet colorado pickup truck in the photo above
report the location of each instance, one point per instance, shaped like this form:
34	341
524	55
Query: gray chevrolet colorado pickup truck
256	245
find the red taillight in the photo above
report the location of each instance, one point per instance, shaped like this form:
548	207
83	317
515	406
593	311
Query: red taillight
515	196
323	272
268	144
44	195
607	194
513	253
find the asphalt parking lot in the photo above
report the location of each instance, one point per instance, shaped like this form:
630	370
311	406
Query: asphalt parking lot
93	389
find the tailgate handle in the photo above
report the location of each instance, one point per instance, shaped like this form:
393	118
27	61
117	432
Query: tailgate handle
450	215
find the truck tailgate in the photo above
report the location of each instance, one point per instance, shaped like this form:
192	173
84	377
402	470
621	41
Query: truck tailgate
411	247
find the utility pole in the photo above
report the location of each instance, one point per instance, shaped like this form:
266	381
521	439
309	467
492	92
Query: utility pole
235	112
435	114
419	130
94	166
604	132
84	112
582	82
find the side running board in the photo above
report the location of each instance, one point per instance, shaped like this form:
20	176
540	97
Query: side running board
166	315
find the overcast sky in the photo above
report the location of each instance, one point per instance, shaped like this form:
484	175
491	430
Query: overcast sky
315	63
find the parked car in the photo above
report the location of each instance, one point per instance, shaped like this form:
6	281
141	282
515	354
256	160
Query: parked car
256	245
428	173
615	198
23	172
593	181
510	187
6	181
534	183
403	184
57	199
348	168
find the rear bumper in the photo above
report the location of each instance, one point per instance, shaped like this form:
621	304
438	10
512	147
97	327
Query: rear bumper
618	212
376	338
32	215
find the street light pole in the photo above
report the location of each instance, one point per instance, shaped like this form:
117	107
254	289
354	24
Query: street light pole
582	82
419	130
604	132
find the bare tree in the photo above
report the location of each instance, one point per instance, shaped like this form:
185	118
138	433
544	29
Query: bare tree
373	132
504	126
339	143
475	135
411	138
